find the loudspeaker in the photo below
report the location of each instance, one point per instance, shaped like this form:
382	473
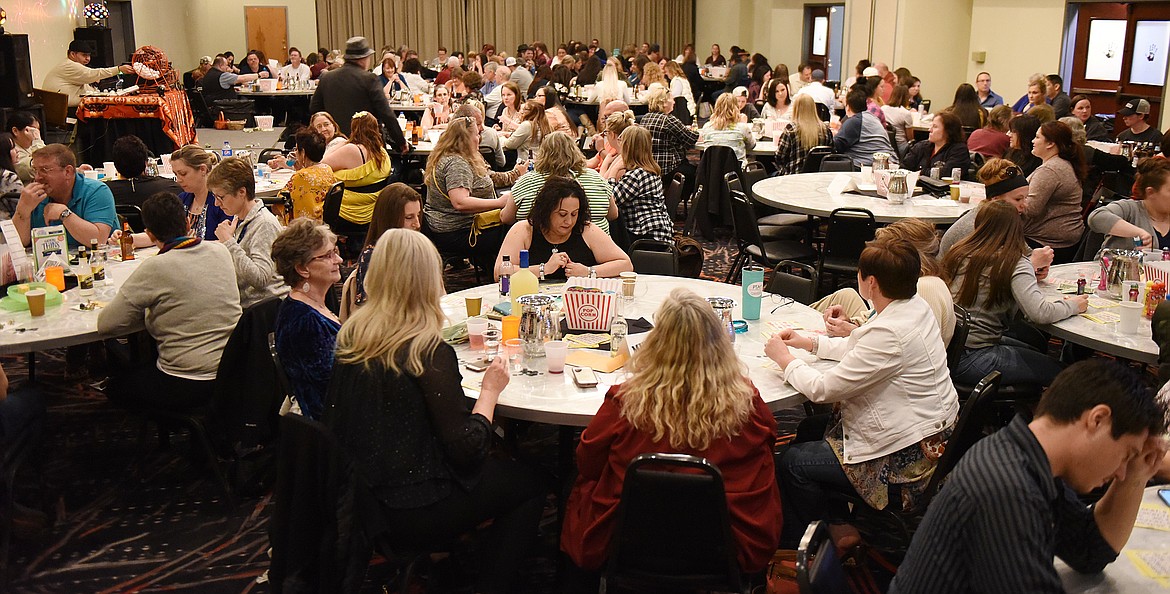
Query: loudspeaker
16	86
101	39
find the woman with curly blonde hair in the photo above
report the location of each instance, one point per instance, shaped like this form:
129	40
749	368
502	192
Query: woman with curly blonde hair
725	129
694	401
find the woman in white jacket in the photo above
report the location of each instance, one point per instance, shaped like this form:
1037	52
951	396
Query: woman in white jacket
894	403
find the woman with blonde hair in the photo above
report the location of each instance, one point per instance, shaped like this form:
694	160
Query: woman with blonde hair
364	166
191	165
559	156
397	408
611	165
680	86
534	126
460	185
651	74
612	86
639	195
696	401
799	137
725	129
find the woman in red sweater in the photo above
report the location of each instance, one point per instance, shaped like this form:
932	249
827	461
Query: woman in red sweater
694	400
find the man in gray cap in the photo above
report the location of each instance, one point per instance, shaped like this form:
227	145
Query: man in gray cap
818	91
73	76
1134	113
353	88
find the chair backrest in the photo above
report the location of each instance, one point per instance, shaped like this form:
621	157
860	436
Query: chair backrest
674	193
836	163
130	213
847	232
926	104
823	111
1091	242
268	154
800	288
747	224
812	161
281	377
650	256
331	210
56	107
673	529
969	428
893	139
732	180
752	173
819	569
959	338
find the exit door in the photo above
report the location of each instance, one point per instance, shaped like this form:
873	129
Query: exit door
267	30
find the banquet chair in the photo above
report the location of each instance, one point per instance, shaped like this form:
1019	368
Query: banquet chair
674	195
349	243
823	111
834	163
959	338
812	161
673	530
846	234
654	257
767	232
130	213
819	569
893	136
753	247
268	154
802	289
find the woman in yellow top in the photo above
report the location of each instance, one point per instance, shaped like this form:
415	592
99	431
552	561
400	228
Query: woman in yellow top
312	181
364	166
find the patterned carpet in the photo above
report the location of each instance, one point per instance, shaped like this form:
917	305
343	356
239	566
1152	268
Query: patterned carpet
131	518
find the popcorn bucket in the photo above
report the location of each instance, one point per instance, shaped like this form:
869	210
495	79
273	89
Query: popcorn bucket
1158	271
589	309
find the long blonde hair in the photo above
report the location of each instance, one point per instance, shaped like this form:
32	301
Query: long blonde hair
611	86
637	149
401	323
559	155
456	141
652	73
726	113
806	121
693	395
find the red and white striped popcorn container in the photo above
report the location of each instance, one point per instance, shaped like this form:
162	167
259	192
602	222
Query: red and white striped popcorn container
588	308
1158	271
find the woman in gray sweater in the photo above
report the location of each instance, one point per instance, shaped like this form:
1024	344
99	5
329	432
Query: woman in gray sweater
1147	219
1053	215
990	275
248	236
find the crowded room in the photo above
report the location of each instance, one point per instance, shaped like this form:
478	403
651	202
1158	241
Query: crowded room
753	296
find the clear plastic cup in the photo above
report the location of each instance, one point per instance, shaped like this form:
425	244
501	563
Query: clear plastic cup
555	352
514	347
475	330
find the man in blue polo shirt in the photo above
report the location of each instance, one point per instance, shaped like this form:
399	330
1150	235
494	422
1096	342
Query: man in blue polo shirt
60	195
987	98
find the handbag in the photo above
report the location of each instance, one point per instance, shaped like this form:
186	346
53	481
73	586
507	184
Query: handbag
480	222
690	255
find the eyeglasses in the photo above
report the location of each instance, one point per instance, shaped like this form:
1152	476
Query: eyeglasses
45	170
782	302
334	253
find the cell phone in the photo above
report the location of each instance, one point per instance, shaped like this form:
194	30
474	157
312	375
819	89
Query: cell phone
1165	495
584	377
476	366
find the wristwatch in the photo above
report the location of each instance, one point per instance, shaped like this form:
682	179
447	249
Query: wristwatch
592	272
542	271
65	214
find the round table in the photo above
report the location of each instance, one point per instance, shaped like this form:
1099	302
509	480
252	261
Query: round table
1122	575
65	325
808	193
555	399
280	93
1085	332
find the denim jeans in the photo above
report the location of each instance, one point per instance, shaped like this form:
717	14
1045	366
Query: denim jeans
1019	364
806	473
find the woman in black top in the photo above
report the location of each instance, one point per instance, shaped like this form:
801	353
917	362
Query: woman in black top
397	408
1022	131
966	106
560	240
944	148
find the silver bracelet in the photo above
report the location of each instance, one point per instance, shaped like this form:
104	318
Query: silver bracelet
816	344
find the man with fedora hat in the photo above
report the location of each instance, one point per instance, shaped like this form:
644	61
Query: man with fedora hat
74	75
353	88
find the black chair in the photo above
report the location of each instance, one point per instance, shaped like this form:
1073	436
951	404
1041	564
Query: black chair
199	109
753	247
268	154
819	569
682	111
130	213
674	195
1091	242
803	289
959	338
845	236
893	136
712	208
812	161
767	232
654	257
833	163
673	531
350	242
926	105
823	111
281	378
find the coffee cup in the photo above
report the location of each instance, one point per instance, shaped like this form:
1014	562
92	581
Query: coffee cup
36	302
1130	312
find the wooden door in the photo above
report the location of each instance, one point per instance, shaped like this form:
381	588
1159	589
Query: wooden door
1107	67
816	37
267	30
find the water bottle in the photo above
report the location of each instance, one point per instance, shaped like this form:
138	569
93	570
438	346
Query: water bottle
227	150
401	121
617	332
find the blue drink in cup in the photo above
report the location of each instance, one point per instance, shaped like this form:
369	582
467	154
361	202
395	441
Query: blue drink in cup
753	291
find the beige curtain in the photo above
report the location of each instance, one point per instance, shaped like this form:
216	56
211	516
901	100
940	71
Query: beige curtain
467	24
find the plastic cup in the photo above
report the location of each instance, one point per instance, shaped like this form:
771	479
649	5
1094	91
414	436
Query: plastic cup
1130	312
36	302
474	305
109	168
555	352
475	330
629	282
510	327
514	347
90	174
55	275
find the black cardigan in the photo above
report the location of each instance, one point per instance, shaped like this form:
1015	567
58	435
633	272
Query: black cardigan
921	157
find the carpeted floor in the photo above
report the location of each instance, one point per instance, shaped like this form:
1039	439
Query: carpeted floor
131	517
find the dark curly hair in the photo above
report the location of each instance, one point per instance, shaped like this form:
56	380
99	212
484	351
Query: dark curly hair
557	188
